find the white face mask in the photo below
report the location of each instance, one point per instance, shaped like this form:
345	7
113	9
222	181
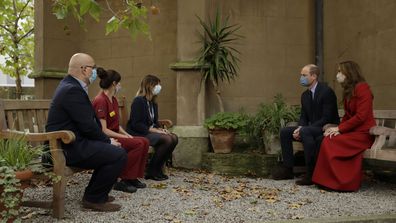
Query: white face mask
157	89
118	88
340	77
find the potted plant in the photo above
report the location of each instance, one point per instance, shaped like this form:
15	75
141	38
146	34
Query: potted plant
222	129
18	161
218	55
264	127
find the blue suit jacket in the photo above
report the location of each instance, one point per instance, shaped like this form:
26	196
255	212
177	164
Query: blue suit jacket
321	110
139	120
72	110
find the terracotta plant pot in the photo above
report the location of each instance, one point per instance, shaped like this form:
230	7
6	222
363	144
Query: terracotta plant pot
222	140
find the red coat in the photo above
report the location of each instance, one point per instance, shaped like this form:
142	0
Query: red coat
339	164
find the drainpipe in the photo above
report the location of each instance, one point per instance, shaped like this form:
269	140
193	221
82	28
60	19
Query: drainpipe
319	37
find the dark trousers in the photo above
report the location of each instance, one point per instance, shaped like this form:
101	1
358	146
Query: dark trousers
108	162
311	137
137	148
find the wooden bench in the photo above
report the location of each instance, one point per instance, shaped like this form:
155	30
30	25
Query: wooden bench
383	150
18	117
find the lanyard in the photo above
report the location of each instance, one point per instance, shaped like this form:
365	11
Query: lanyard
151	111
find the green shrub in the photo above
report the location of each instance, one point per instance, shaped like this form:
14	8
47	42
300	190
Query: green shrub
269	119
226	120
18	154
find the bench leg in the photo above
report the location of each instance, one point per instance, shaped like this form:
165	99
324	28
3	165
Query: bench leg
59	198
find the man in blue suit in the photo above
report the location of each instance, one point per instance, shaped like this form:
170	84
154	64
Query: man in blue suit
72	110
318	107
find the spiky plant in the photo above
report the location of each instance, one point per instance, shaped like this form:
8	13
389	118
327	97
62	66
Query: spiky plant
218	55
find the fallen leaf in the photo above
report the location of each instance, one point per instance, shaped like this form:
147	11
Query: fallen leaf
29	216
190	212
253	202
159	186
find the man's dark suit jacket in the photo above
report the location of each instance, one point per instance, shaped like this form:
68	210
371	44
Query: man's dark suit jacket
139	120
72	110
321	110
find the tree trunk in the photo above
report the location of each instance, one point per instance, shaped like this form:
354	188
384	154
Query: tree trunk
18	82
219	99
18	86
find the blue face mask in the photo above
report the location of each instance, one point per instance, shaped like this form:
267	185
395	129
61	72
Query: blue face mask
93	76
304	81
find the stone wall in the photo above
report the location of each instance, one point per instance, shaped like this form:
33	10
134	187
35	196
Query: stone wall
57	40
278	42
363	31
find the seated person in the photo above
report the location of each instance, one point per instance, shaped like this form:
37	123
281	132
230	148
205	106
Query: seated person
72	110
318	107
106	108
143	121
339	165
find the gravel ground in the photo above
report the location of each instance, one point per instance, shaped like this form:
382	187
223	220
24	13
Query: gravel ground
190	196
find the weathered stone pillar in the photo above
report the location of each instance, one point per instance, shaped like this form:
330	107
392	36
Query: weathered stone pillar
55	42
190	90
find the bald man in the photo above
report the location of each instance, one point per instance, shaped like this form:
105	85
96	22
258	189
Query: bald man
318	107
71	109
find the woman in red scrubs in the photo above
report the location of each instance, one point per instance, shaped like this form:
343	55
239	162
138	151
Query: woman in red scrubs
339	165
106	108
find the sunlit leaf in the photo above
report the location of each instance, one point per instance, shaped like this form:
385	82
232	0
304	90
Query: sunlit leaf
112	25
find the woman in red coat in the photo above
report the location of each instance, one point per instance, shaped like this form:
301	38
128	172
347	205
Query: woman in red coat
106	108
339	165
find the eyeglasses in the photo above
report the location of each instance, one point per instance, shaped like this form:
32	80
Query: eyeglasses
92	67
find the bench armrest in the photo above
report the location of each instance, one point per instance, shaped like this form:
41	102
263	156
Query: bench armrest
381	133
380	130
165	123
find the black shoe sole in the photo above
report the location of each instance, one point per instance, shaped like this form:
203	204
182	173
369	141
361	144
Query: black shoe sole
156	178
125	188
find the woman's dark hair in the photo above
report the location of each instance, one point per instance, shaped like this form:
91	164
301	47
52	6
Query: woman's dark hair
107	77
353	75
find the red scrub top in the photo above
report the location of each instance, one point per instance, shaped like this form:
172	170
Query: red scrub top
105	109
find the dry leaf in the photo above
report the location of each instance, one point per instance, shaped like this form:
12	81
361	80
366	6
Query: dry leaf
168	217
159	186
29	216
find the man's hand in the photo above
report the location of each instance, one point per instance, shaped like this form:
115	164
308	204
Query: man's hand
296	134
114	142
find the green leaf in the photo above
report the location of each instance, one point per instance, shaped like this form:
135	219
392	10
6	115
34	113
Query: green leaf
112	25
85	5
95	10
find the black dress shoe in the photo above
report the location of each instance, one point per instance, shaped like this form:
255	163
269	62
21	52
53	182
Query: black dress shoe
164	175
282	173
124	186
154	177
136	183
305	181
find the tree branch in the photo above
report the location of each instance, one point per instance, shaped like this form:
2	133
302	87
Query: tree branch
23	8
111	10
26	35
16	14
5	27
